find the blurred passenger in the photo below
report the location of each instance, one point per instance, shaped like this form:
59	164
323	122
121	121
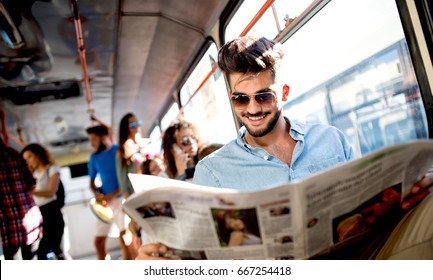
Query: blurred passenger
154	166
130	154
180	144
20	218
208	149
47	175
103	162
129	158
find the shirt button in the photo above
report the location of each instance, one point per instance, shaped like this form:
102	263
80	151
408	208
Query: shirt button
265	157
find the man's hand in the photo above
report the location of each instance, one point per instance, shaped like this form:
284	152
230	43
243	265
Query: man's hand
100	198
418	192
153	252
109	197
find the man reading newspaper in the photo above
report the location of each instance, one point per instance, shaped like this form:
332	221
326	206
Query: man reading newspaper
272	149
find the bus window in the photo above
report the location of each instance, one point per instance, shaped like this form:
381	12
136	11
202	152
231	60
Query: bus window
210	108
170	116
309	109
276	18
241	18
359	62
155	136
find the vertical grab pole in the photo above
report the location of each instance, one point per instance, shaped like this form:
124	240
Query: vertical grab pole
82	52
6	135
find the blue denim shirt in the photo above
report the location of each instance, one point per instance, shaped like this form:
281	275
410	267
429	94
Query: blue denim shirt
240	166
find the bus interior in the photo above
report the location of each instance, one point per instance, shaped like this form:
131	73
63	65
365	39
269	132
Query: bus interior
362	66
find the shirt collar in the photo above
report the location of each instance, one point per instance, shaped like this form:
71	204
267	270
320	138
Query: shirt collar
297	130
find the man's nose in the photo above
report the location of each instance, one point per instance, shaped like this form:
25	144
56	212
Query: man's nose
253	106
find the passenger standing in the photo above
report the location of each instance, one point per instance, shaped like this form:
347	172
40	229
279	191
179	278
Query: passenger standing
47	175
129	156
129	159
20	218
103	162
180	144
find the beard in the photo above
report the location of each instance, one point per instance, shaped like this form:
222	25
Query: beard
269	127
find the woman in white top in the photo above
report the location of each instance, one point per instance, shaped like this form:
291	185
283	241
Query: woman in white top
47	175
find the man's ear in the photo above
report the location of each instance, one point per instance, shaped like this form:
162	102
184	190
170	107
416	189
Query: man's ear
286	89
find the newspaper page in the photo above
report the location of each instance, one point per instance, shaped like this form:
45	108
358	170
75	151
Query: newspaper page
196	222
344	203
292	221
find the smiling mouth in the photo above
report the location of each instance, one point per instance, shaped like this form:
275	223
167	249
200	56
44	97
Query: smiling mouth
257	118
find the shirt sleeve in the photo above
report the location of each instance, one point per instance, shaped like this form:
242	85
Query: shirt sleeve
53	170
204	176
348	149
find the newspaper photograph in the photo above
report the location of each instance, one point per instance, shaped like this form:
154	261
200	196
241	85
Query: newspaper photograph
297	220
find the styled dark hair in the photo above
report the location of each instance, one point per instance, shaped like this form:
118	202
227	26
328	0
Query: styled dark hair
39	151
98	130
250	55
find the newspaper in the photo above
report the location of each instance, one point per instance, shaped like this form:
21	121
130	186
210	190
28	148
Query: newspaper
296	220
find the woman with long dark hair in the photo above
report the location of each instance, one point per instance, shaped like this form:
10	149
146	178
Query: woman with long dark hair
130	155
47	175
131	151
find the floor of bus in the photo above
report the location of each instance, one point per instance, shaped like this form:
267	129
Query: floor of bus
114	255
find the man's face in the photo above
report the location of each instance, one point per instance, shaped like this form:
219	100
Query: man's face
255	99
96	142
187	141
156	166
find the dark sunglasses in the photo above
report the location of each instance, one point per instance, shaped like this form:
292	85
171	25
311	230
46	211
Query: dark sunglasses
135	124
187	140
266	98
